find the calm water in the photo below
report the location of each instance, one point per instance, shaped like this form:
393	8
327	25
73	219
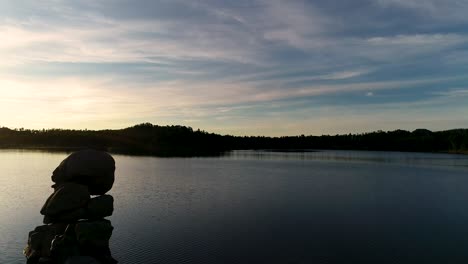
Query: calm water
263	207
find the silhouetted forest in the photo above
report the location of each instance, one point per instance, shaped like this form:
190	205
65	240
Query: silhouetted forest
149	139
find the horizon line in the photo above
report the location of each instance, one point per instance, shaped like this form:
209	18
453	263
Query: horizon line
202	130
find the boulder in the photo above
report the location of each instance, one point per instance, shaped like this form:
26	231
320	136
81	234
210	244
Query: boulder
64	245
40	240
68	217
100	207
76	231
65	201
92	168
94	233
96	208
93	239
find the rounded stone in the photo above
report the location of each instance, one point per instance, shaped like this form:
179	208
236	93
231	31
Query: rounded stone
93	235
100	206
92	168
40	239
67	198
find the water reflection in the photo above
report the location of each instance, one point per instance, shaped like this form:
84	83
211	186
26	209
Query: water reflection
339	207
425	159
291	210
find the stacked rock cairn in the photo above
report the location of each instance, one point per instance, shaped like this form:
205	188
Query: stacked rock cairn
75	230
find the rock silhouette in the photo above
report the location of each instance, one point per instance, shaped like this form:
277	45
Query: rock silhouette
75	230
92	168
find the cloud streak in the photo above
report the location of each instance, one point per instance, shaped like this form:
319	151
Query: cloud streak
114	63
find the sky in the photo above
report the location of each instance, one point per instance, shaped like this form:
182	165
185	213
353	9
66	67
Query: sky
258	67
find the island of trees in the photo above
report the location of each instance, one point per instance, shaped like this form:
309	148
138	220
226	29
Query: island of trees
149	139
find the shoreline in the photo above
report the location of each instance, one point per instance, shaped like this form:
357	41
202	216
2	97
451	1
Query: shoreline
196	154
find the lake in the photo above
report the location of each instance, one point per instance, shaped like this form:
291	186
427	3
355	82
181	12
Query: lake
263	207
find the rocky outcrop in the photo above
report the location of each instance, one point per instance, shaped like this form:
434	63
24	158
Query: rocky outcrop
92	168
75	230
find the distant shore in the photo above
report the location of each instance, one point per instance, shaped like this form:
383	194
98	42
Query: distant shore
72	149
180	141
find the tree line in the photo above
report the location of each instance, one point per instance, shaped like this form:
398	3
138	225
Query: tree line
149	139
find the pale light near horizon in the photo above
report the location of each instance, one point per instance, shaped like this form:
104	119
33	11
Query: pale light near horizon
249	68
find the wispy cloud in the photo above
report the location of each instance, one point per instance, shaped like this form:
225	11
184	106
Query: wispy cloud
218	64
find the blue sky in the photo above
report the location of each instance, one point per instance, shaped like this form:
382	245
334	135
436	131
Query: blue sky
266	67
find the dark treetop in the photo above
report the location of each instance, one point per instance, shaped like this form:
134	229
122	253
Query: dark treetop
149	139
